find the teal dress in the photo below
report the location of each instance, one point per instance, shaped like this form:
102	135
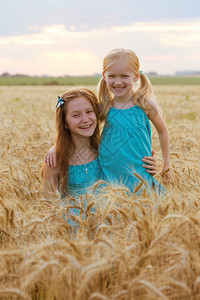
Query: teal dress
80	178
125	140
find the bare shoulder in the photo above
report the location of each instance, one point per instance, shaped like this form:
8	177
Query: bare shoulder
152	109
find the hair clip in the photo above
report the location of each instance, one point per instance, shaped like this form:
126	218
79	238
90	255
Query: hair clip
60	102
141	72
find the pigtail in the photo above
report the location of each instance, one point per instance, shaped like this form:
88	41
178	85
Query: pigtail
141	96
105	98
145	93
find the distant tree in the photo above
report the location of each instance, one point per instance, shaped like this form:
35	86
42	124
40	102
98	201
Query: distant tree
5	75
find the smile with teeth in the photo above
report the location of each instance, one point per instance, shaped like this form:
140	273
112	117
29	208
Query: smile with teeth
86	126
117	88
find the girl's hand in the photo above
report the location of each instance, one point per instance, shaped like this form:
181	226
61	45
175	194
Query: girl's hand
166	176
50	157
150	163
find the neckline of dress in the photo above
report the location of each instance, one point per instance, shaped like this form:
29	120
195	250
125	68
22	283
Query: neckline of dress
125	108
84	164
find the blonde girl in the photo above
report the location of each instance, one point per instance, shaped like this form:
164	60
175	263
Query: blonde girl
126	136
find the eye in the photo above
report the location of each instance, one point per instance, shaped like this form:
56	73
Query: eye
111	76
125	76
75	116
90	111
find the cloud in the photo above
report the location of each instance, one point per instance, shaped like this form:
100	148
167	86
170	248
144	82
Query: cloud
47	35
175	33
17	16
158	57
194	57
57	50
180	40
178	34
70	62
154	27
33	28
54	64
54	29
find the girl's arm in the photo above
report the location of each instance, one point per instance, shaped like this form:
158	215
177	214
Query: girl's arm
50	157
50	180
162	130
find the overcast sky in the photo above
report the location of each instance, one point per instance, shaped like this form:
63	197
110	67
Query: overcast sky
60	37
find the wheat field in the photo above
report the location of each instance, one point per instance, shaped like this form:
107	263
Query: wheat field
147	248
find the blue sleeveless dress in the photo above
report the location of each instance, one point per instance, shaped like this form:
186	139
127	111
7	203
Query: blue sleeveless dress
80	178
125	140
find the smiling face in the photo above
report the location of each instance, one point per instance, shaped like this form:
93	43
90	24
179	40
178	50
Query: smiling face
80	118
119	79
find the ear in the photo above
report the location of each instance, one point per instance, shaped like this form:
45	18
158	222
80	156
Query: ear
136	78
66	127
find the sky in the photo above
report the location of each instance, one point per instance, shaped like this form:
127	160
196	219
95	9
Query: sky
71	37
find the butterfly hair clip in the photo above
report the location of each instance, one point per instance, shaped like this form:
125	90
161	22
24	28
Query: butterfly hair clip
60	102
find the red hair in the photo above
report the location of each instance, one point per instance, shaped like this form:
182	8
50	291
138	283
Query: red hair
64	143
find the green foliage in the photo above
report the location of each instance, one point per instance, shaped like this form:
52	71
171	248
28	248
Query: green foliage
174	80
91	80
17	80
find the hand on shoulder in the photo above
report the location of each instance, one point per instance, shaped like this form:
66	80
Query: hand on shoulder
50	157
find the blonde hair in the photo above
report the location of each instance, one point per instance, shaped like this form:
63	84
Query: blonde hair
142	94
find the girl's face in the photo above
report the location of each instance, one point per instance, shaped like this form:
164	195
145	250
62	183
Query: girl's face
119	79
80	118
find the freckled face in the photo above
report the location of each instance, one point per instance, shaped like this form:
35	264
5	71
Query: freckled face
80	118
119	79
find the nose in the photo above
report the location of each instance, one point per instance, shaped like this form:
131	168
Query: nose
118	80
85	118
